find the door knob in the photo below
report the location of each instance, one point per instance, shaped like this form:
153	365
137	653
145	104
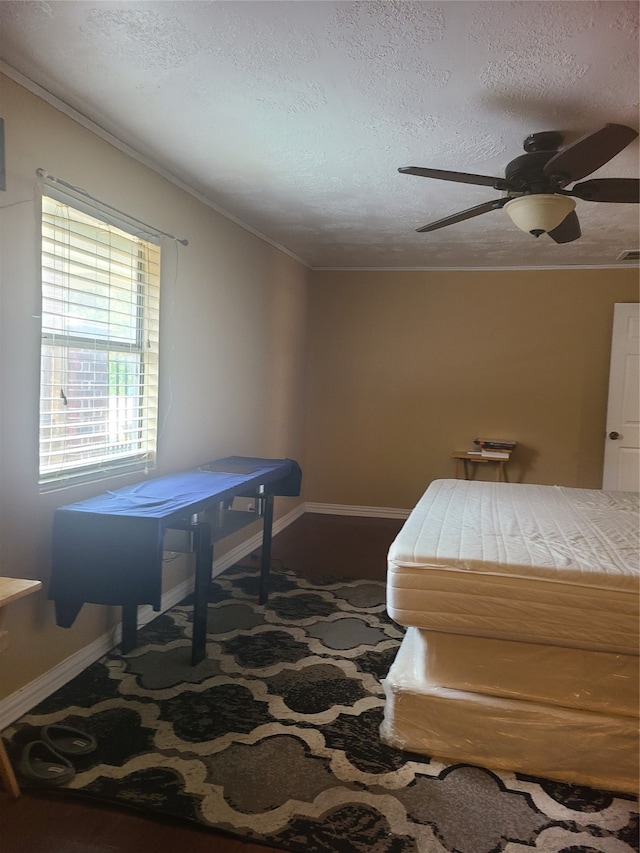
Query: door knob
614	435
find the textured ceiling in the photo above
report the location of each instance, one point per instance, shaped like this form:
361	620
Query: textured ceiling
293	117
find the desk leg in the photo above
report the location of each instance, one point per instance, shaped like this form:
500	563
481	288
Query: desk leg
204	558
265	558
129	627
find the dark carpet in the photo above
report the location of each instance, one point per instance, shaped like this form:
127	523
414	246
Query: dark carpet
274	737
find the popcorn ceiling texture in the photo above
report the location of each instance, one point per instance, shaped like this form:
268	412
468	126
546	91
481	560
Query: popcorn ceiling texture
293	117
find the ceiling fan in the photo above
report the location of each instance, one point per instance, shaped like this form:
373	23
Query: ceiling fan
534	183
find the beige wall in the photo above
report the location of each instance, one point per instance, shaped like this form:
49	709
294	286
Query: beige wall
406	367
233	354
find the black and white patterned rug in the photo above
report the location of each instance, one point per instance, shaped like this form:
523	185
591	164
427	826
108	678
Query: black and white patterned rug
274	737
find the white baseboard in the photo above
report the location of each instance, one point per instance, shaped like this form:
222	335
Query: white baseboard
23	700
365	511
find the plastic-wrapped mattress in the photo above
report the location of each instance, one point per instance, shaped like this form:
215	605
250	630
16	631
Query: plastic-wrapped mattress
555	675
542	564
538	738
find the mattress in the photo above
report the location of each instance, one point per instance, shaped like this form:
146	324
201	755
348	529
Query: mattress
554	675
539	564
566	744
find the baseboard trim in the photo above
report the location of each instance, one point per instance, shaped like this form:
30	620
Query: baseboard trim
364	511
23	700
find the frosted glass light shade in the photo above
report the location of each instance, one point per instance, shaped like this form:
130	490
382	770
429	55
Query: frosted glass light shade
539	212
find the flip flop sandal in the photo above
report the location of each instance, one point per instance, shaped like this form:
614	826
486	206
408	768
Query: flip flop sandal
42	765
66	740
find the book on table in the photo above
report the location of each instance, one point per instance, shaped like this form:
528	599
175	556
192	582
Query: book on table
502	445
487	453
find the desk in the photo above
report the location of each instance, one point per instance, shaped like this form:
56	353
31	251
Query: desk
108	549
465	458
11	589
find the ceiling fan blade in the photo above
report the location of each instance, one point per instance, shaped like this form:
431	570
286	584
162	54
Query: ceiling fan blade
588	153
464	214
459	177
615	190
568	230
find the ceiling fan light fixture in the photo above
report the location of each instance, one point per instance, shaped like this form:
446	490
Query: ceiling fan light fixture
539	212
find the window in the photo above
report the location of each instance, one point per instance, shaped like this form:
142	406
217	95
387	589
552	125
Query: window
99	350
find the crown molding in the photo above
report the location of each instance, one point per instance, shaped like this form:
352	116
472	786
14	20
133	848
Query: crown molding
611	266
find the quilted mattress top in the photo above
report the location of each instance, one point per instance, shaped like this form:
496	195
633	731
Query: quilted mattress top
587	537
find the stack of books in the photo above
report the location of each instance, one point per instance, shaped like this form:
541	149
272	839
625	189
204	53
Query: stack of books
495	448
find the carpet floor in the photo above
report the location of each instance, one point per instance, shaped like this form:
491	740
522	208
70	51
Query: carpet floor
274	736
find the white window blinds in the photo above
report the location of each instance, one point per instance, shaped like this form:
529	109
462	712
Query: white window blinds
99	352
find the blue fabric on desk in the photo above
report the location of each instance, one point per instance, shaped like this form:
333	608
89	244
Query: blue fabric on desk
108	549
166	496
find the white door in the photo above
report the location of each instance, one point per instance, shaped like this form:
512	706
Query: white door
622	441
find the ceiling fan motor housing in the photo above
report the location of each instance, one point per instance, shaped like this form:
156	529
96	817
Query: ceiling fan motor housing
526	173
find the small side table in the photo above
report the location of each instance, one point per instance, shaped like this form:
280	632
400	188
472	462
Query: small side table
10	590
465	460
